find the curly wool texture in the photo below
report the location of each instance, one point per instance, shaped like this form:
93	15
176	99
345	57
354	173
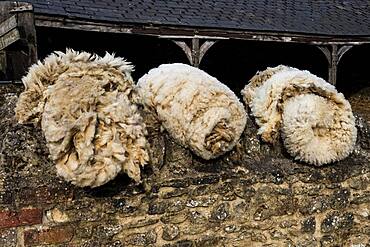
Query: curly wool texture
316	122
197	110
248	92
40	75
92	129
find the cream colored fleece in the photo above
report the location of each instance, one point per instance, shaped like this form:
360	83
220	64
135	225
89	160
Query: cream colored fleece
92	128
307	110
197	110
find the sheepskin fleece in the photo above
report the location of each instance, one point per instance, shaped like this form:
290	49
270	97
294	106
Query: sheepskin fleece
92	128
316	122
257	80
197	110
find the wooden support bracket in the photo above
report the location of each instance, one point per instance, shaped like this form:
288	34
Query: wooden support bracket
196	53
334	55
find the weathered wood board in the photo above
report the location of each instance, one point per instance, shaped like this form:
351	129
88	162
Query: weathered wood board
9	32
9	38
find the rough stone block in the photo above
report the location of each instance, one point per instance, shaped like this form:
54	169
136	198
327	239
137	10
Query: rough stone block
26	216
53	235
142	239
44	195
8	237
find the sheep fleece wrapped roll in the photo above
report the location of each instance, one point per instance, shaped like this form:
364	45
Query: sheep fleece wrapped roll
92	128
316	122
197	110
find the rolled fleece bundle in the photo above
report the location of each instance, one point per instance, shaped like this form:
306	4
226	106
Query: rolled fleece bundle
92	128
197	110
316	122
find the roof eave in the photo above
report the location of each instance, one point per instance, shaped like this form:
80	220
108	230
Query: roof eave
177	31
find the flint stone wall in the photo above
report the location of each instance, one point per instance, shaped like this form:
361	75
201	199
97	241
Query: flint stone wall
253	196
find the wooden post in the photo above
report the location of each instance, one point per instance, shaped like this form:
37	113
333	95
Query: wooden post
9	24
333	56
333	65
3	66
196	53
26	25
17	26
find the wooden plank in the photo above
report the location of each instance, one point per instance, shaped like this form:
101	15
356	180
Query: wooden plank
8	25
22	7
191	37
5	9
9	38
180	32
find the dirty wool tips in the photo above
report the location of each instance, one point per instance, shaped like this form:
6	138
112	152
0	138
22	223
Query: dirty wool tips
84	104
315	122
197	110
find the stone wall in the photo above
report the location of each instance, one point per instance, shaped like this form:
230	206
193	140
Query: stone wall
253	196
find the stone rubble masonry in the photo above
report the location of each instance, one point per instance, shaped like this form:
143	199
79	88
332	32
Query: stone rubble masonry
253	196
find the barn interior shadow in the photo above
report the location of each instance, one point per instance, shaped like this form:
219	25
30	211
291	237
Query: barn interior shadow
234	62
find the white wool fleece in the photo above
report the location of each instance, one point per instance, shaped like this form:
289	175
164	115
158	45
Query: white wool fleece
92	128
314	130
277	104
42	74
197	110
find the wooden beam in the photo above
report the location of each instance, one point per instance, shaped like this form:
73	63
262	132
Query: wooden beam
191	37
8	24
8	32
188	32
9	38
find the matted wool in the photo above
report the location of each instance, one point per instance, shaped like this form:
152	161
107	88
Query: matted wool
92	128
314	120
197	110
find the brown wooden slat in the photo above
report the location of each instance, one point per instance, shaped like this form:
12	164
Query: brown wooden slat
8	25
9	38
